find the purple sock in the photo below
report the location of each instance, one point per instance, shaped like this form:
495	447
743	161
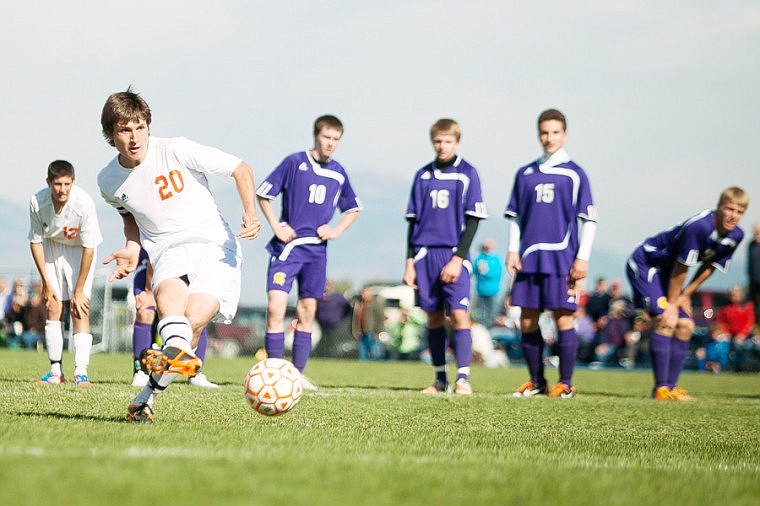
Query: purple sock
437	346
533	349
659	350
141	338
301	349
678	351
274	343
463	347
200	350
568	350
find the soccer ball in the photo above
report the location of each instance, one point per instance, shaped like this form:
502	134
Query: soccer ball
273	386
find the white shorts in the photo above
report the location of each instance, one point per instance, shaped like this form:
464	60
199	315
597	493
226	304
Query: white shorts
62	265
210	268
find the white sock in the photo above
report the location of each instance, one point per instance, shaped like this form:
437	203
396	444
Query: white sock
464	370
176	331
54	343
82	348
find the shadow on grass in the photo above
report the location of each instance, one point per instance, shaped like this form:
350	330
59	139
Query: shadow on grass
68	416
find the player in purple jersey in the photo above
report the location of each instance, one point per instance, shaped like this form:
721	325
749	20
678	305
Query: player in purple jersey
312	185
444	210
143	329
552	224
658	269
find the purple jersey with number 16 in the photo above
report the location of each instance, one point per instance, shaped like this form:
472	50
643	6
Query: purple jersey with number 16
439	202
548	197
310	194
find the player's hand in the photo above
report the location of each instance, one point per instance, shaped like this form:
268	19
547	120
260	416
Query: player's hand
327	233
50	298
669	318
80	305
251	227
451	271
514	263
410	274
126	262
579	270
285	233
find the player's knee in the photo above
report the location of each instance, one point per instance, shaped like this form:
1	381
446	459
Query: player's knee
684	329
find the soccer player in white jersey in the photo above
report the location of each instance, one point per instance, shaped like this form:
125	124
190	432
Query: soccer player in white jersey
159	187
313	185
64	235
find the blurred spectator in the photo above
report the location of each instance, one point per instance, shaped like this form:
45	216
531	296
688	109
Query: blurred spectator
368	322
616	294
614	337
35	316
331	309
585	329
405	335
487	273
735	323
506	329
598	303
14	313
753	264
5	298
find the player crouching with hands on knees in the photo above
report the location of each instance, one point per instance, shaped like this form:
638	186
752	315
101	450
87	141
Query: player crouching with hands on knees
657	271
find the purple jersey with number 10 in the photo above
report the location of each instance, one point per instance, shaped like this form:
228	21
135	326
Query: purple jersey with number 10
310	194
547	199
439	202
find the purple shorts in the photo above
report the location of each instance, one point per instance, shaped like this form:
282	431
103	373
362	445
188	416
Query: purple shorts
311	276
543	292
649	288
434	295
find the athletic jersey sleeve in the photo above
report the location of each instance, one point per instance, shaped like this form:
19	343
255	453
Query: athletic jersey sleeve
35	222
205	159
275	182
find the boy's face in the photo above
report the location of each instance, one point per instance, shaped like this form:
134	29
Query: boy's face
326	142
60	188
727	216
131	141
445	146
552	135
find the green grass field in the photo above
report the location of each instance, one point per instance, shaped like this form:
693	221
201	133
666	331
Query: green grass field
368	437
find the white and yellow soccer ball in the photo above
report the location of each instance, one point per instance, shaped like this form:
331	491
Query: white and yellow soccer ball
273	386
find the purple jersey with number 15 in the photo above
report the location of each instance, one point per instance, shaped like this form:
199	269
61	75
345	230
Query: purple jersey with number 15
310	194
547	199
439	202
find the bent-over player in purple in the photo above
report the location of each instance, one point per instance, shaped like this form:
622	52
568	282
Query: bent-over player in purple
657	271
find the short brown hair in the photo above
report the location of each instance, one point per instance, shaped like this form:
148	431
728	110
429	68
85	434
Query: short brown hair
59	168
446	126
552	114
328	120
734	195
121	108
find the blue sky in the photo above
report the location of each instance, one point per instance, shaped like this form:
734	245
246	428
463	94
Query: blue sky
660	97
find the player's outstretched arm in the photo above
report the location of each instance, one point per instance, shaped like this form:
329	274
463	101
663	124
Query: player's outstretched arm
251	226
284	233
128	257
